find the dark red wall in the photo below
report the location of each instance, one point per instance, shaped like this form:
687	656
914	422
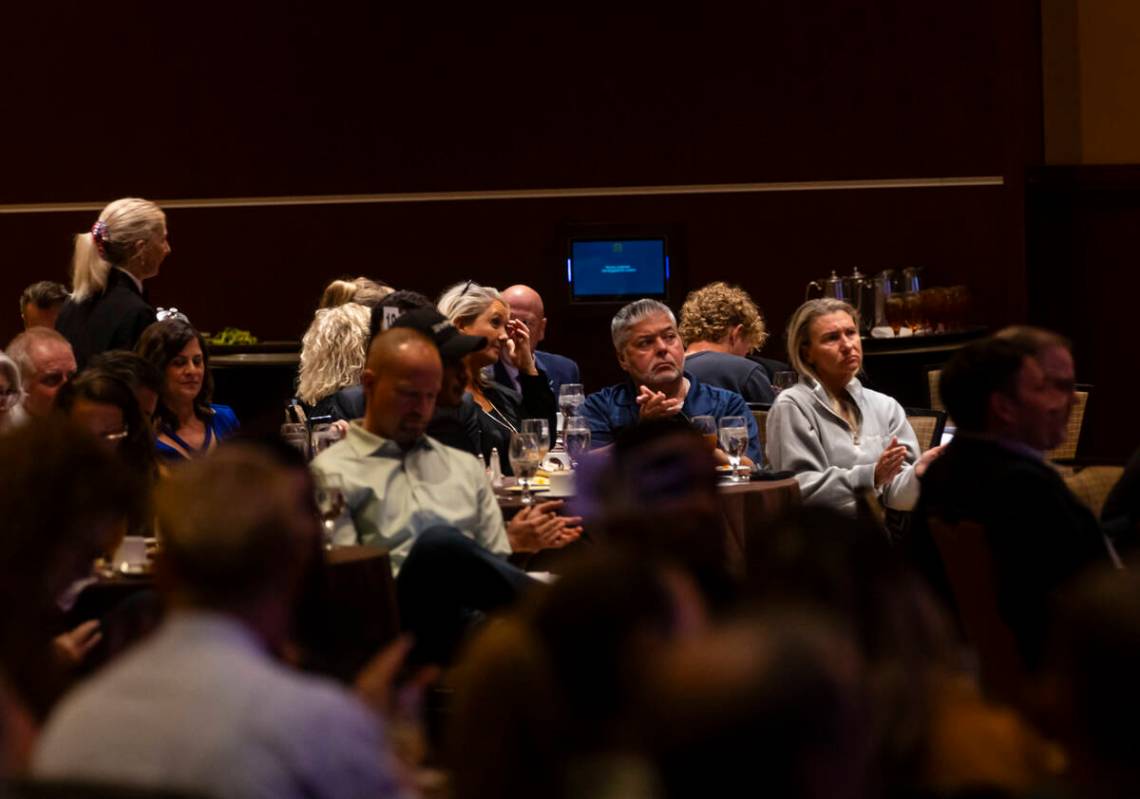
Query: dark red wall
306	98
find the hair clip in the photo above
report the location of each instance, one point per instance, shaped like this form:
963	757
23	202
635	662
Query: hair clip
163	314
99	234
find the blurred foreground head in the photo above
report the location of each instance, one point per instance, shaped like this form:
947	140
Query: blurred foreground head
238	530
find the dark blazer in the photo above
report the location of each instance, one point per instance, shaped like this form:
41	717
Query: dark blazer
558	368
112	320
1040	535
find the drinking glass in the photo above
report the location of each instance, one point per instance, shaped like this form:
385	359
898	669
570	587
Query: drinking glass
570	396
912	311
330	503
706	426
894	311
323	436
734	441
525	456
577	439
297	435
541	430
782	380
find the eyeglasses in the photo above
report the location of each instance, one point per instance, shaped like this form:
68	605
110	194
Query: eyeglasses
466	287
9	399
54	379
116	436
162	314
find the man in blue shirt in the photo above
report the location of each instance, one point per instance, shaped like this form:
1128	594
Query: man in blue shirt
650	351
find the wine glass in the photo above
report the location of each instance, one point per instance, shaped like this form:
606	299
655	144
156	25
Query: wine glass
570	396
525	456
331	503
706	426
734	441
541	430
784	379
577	439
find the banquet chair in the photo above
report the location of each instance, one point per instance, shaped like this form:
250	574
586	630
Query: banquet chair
1092	484
928	425
932	378
965	553
1068	450
760	414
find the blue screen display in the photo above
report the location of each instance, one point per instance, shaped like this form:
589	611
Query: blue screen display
618	268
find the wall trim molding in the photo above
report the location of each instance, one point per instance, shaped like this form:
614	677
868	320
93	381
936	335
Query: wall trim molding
528	194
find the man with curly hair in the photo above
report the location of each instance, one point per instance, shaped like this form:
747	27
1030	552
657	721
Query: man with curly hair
720	325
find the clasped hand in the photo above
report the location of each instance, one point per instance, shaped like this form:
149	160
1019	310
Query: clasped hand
655	405
537	527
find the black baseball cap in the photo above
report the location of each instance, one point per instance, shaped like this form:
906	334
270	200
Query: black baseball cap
452	344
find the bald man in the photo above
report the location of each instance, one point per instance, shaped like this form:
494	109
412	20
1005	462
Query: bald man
526	305
400	482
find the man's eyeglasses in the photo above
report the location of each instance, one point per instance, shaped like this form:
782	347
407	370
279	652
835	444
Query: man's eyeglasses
54	379
116	436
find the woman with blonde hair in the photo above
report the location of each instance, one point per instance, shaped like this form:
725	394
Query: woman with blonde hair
481	311
361	290
107	309
333	352
720	324
837	436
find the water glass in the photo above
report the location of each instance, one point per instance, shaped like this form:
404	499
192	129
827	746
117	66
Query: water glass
331	502
570	397
525	456
323	436
734	441
577	439
541	430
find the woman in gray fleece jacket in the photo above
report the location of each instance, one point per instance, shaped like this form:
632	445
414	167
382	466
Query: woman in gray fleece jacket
837	436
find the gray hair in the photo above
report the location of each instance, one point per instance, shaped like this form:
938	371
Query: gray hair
630	315
463	302
799	329
19	349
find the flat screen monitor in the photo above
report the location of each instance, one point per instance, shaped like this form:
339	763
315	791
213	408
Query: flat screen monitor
613	269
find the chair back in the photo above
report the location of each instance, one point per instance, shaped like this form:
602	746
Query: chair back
928	425
966	556
1092	484
932	378
1068	450
760	414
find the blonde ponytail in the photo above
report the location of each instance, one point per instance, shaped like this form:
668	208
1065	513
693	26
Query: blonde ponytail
112	242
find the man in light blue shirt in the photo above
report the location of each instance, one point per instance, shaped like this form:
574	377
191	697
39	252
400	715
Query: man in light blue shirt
203	706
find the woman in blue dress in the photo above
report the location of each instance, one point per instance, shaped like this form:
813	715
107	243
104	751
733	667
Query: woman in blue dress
187	424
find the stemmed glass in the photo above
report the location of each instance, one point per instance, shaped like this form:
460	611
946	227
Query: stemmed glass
734	441
570	396
330	503
525	455
782	380
577	439
541	430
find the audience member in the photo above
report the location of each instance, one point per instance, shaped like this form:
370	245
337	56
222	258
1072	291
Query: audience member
1008	411
202	706
360	290
480	311
720	325
400	482
64	501
11	394
526	306
40	303
333	352
649	350
102	404
46	362
108	309
139	374
392	307
835	435
189	424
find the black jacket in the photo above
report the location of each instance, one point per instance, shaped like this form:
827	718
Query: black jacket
112	320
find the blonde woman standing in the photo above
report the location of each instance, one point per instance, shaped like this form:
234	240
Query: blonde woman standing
108	309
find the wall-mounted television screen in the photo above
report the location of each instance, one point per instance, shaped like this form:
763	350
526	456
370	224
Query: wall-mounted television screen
601	270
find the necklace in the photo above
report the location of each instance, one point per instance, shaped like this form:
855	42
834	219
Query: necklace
501	420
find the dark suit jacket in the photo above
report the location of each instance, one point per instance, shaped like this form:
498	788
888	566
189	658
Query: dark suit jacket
558	370
113	320
1040	535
